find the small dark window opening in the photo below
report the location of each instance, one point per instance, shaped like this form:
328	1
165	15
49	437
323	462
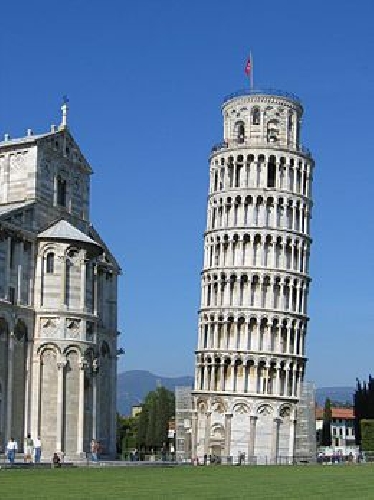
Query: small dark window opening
256	117
241	133
271	173
12	253
61	192
290	123
12	295
216	181
50	263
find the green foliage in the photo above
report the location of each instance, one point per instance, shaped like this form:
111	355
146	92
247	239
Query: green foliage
367	434
326	438
364	404
127	432
158	409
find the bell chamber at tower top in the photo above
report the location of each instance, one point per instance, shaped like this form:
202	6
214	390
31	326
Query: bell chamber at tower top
258	118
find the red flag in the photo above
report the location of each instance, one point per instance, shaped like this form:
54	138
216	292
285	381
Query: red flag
247	68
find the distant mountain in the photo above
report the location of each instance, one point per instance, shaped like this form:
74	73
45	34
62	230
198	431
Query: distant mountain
336	394
134	385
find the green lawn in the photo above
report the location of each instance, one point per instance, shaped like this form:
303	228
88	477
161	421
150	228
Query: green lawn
220	482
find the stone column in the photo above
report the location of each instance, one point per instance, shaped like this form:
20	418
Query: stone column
288	340
9	431
301	348
222	375
29	350
95	289
277	380
286	382
194	435
266	376
96	368
252	438
286	178
293	389
298	303
291	450
19	271
80	433
275	441
60	404
83	285
35	410
207	433
300	385
31	274
279	342
228	417
205	382
196	379
255	378
63	280
7	267
94	398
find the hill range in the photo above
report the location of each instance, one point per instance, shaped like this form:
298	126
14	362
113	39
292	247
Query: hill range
133	386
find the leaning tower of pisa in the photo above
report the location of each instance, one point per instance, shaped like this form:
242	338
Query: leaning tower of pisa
250	358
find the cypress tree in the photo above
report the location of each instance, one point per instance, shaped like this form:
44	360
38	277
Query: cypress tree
326	425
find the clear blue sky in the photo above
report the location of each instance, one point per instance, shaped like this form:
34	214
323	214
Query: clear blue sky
145	81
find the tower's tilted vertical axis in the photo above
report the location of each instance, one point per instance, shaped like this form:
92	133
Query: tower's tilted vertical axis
250	358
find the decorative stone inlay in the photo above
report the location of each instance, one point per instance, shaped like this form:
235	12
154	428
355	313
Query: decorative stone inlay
241	408
50	327
285	412
265	410
73	328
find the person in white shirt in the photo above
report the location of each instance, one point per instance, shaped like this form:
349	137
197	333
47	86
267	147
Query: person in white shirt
28	448
11	449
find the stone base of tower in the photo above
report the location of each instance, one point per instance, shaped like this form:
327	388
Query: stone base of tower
247	429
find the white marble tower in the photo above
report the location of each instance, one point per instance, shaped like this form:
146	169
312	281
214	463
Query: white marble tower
250	358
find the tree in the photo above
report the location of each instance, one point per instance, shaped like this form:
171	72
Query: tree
367	434
326	439
364	405
157	410
127	433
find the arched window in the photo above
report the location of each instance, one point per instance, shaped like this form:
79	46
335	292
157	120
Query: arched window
50	262
272	130
240	131
61	192
271	172
256	116
290	123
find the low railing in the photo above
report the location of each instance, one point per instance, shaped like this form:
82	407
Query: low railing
270	92
247	143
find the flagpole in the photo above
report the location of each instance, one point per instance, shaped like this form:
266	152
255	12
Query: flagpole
251	74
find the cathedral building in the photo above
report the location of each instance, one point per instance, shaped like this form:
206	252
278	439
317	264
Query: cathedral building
58	300
250	357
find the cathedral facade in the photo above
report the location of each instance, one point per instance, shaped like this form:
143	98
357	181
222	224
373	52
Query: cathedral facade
58	300
250	357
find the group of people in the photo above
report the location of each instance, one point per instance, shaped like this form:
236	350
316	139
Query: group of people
32	449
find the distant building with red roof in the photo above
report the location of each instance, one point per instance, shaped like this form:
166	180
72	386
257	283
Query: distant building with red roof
342	426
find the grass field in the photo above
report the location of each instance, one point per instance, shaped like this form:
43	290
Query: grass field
329	482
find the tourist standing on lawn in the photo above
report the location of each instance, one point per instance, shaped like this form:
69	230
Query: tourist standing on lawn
37	449
28	449
11	449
